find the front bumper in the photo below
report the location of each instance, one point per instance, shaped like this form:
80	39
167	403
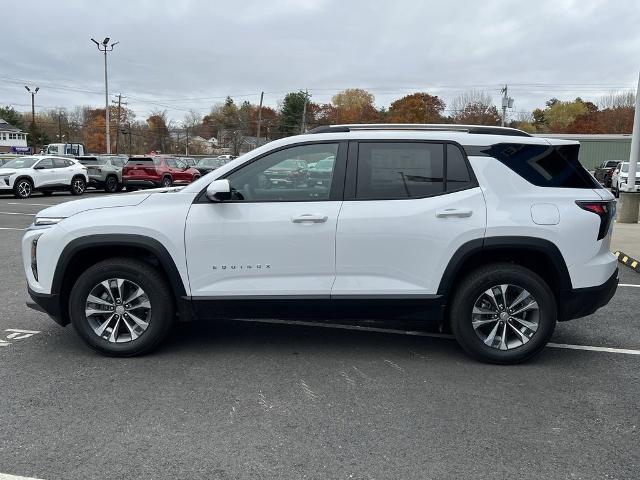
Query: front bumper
48	303
581	302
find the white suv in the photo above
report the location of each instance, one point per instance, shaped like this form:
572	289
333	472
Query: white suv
487	231
24	175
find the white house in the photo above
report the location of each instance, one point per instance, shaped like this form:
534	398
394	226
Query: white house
12	139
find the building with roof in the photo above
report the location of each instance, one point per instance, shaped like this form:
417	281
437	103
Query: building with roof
12	139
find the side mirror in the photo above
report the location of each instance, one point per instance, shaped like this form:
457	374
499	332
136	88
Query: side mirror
219	190
38	167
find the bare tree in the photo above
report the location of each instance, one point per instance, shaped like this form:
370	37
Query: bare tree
476	108
624	99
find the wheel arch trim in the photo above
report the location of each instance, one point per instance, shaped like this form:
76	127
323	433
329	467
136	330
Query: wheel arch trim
144	242
491	244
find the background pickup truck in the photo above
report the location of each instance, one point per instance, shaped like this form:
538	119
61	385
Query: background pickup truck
605	170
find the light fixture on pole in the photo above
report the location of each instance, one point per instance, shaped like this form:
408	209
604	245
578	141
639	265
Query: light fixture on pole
105	47
33	102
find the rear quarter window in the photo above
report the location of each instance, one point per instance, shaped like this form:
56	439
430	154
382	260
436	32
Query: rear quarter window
544	165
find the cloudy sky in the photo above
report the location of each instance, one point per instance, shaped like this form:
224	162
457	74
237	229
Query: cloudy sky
188	54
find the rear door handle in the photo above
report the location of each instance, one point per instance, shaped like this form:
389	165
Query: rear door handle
454	212
309	218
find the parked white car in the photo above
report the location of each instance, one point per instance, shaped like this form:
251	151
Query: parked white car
486	231
620	180
24	175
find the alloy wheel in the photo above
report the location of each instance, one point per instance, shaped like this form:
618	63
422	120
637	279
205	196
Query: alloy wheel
24	189
505	316
118	310
78	186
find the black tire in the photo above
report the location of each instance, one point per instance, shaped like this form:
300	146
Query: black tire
482	279
166	182
111	184
120	187
154	285
195	177
78	185
23	188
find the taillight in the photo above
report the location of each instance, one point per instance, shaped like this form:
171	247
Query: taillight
606	210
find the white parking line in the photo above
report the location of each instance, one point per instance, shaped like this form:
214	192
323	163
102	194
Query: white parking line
4	476
433	335
11	228
628	285
34	204
15	213
626	351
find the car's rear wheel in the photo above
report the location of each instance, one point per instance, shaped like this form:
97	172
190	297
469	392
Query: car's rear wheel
195	177
166	182
503	313
111	184
23	188
121	307
78	186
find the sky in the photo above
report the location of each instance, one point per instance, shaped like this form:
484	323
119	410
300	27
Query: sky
183	55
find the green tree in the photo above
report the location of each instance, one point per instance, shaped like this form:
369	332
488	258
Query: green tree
292	110
10	115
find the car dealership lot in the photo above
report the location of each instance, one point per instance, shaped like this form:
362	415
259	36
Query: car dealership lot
255	400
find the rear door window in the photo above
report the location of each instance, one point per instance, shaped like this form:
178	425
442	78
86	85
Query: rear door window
397	170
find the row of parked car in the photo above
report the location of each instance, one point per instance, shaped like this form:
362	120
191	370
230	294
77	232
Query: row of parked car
615	175
44	173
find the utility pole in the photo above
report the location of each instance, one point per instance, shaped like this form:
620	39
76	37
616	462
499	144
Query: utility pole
303	126
60	125
629	203
33	103
259	119
507	102
104	48
186	150
119	103
130	149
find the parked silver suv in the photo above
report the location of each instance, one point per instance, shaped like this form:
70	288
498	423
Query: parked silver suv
105	171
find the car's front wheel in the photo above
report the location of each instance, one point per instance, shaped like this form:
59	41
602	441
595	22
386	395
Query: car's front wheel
78	186
121	307
23	188
503	313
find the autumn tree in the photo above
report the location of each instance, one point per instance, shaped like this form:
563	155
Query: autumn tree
418	107
355	105
158	131
475	108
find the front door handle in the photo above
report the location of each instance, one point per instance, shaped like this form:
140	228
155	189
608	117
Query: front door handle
309	218
454	212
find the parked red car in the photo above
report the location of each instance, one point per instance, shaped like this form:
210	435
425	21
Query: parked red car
156	171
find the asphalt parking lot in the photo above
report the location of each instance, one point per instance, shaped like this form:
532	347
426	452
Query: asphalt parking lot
257	400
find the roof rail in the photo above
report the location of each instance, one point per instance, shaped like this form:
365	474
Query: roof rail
443	127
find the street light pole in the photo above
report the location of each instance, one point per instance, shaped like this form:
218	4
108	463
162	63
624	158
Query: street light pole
629	204
33	102
105	47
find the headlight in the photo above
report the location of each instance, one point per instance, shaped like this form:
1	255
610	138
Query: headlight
42	221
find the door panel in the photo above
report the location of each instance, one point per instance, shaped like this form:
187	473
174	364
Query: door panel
268	239
403	246
261	248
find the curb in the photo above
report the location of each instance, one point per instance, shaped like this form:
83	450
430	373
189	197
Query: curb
630	262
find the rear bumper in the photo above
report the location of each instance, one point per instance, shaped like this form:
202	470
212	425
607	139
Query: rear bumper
581	302
48	303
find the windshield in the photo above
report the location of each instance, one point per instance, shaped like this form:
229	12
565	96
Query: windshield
324	164
210	162
288	164
624	168
22	162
